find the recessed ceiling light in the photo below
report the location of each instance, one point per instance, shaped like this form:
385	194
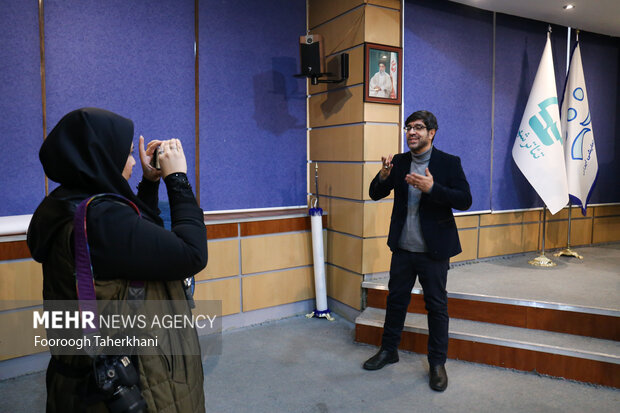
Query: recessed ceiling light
568	6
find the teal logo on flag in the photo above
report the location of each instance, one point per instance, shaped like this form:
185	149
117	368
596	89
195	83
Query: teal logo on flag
547	132
530	144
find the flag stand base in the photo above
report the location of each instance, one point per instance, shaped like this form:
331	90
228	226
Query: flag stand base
542	261
567	252
321	314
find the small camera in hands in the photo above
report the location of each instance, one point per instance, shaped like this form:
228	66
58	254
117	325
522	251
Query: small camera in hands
117	378
155	159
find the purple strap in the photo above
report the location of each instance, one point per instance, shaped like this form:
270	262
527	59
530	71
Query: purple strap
83	267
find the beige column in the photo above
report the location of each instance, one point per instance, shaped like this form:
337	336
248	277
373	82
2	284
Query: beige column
347	138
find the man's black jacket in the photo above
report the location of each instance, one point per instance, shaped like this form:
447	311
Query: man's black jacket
450	190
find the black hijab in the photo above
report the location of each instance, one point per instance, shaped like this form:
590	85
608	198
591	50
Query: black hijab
87	151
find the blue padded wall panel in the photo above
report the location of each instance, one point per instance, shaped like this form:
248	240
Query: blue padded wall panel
22	183
252	109
519	46
601	60
448	71
133	58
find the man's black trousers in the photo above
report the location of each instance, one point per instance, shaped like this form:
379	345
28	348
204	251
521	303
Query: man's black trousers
433	275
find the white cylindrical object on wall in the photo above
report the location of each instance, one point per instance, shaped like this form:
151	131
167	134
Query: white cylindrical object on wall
319	259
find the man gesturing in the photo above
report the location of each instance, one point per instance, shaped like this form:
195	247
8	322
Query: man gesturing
427	184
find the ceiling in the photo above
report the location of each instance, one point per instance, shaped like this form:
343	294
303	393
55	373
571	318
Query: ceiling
597	16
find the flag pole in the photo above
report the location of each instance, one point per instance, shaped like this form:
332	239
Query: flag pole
318	255
542	260
567	252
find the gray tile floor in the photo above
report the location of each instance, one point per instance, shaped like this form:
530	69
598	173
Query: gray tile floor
301	365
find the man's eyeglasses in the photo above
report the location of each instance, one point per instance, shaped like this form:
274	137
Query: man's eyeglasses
416	128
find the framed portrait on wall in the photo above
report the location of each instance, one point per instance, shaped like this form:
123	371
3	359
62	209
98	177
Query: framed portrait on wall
382	73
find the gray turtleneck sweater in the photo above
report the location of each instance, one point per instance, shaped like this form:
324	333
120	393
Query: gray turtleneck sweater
411	238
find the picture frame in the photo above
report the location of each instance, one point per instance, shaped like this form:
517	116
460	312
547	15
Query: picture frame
382	85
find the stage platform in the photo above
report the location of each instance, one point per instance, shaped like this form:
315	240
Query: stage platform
563	321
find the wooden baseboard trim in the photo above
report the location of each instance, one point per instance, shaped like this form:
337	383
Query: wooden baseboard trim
14	250
217	231
274	226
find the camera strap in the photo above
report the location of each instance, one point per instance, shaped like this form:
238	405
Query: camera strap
87	299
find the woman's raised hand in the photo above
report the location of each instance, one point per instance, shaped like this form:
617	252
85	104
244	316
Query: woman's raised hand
146	155
171	157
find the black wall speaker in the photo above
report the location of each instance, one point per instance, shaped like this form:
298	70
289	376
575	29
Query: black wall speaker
312	56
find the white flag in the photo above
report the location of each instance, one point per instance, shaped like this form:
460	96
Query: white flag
579	150
537	150
393	74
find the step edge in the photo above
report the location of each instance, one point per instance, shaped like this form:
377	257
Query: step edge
549	305
544	348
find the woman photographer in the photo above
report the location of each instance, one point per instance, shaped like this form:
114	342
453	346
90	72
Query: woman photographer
90	152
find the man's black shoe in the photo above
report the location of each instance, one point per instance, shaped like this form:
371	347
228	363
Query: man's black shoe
438	378
380	359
